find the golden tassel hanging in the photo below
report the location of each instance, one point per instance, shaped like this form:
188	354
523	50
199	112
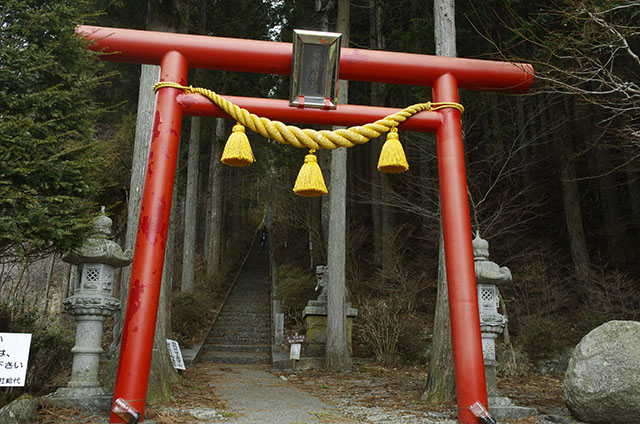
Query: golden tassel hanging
310	182
392	158
237	151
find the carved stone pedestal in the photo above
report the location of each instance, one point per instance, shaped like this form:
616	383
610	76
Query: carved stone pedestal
315	319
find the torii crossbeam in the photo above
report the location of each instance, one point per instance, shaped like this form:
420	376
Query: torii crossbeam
175	53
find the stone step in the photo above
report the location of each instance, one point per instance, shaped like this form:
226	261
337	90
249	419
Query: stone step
249	307
260	305
257	348
251	313
244	325
242	331
238	340
250	294
258	326
252	285
262	300
255	320
239	334
240	311
236	357
240	314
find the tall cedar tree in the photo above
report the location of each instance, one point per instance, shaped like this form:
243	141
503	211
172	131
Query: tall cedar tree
47	157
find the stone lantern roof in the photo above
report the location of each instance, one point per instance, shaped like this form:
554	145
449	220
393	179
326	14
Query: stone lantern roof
99	248
488	272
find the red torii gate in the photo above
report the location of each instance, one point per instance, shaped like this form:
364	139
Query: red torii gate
175	53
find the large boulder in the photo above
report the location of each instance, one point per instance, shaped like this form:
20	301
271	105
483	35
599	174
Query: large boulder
602	382
22	410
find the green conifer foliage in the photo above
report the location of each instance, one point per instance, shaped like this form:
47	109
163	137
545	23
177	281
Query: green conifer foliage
47	158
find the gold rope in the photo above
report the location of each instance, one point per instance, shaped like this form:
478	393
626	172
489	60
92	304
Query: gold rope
309	138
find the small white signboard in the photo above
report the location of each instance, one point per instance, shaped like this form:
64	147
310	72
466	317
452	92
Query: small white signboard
294	353
14	358
175	354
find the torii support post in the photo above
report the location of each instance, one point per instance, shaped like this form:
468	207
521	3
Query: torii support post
175	52
146	273
456	227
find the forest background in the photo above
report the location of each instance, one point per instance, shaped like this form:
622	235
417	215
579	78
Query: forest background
553	176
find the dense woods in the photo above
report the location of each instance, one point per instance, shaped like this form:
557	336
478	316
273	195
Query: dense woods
553	176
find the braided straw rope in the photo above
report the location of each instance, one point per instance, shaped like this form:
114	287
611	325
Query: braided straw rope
309	138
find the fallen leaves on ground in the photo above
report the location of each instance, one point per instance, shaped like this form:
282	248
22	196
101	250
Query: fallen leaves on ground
384	390
400	388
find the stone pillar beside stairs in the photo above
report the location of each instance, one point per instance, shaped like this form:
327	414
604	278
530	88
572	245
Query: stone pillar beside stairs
315	319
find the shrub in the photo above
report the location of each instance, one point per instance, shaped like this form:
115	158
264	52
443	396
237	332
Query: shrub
611	295
512	362
50	353
188	310
541	338
413	344
381	324
295	286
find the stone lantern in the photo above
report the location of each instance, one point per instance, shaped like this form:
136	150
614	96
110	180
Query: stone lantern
489	277
492	323
90	304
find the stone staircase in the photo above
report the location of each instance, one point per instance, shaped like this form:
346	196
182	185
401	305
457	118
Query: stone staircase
242	332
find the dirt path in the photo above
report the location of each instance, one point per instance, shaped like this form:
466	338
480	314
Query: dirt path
253	395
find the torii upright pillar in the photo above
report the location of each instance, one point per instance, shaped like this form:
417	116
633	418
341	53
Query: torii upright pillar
176	52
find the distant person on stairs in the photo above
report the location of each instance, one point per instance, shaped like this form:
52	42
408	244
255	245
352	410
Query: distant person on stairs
263	238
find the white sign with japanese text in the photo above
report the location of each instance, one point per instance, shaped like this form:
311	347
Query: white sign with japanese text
175	354
14	358
294	353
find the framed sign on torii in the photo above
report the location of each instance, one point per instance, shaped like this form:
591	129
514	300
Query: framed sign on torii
176	53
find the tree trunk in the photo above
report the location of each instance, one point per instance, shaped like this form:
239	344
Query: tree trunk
214	238
324	156
571	202
441	380
441	383
619	247
633	186
601	160
386	226
190	208
376	42
149	75
162	374
46	291
337	349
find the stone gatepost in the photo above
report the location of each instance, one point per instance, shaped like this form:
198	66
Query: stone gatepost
90	304
315	318
489	277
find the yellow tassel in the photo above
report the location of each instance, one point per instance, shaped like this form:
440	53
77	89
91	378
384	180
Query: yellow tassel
310	182
392	158
237	151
